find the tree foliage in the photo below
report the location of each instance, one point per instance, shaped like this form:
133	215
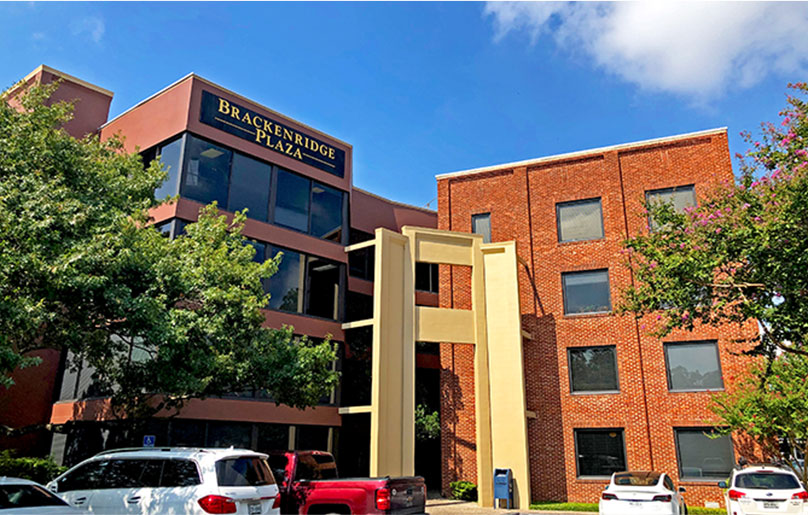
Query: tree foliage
742	254
159	320
771	406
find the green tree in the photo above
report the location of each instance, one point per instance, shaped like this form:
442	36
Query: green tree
160	321
771	406
742	254
427	423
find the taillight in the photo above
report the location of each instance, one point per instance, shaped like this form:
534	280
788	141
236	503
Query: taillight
662	498
383	499
801	495
217	504
608	497
277	503
734	495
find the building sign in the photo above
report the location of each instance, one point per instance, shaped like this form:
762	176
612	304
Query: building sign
263	130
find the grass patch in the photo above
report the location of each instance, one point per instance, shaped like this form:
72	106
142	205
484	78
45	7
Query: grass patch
564	506
585	506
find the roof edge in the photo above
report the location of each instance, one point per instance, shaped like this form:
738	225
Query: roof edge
581	153
402	204
67	76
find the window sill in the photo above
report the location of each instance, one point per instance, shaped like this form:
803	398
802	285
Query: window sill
598	314
596	392
579	242
593	479
707	390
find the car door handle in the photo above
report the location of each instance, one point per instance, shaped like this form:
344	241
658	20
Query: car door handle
80	500
133	500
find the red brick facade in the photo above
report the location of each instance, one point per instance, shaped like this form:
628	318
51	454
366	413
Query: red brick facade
522	201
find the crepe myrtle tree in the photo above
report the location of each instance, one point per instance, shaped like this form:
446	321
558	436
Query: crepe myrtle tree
771	405
742	253
160	321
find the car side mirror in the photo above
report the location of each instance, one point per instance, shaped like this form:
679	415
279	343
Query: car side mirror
722	484
682	489
53	487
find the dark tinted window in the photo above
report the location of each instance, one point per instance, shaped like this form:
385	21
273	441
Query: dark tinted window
207	171
226	434
326	212
580	220
26	496
426	277
292	201
600	452
179	473
693	366
323	291
86	477
481	224
277	463
122	474
701	456
286	286
312	438
170	156
272	437
249	187
586	292
315	467
766	481
593	369
669	484
360	263
243	472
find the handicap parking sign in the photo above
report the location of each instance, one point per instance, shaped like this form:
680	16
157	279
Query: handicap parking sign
148	440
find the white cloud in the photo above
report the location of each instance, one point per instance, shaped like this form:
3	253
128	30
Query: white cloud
93	26
698	49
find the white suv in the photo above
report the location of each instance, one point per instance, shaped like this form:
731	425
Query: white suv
764	489
171	481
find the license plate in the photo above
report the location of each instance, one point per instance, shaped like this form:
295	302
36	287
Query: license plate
254	508
771	505
634	504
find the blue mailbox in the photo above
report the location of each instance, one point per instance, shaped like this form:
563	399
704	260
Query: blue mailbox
503	486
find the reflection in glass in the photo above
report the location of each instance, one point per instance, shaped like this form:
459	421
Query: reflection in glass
593	369
292	201
323	292
249	187
580	220
703	457
481	224
326	212
600	451
207	170
681	197
693	366
586	292
170	159
225	434
286	286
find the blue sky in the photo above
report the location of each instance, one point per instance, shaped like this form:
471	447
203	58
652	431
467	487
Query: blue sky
426	88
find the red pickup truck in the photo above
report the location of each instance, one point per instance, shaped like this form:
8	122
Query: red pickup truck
308	483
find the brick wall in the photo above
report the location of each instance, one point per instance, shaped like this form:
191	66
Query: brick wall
522	202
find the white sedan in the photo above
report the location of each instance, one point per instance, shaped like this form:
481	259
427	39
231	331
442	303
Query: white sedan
641	492
21	496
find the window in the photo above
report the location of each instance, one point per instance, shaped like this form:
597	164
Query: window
326	212
600	452
586	292
207	172
767	481
247	471
426	277
361	263
680	196
579	220
286	286
703	457
292	201
593	369
306	284
89	476
179	473
481	224
170	156
249	187
312	438
693	366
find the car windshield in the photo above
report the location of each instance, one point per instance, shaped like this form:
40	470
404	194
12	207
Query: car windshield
244	471
26	496
767	481
636	478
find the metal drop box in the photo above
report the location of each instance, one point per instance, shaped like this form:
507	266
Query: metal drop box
503	487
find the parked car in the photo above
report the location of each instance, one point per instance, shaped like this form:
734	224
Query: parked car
641	492
764	489
309	483
21	496
171	481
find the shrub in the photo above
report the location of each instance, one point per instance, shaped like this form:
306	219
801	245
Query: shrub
463	490
40	470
